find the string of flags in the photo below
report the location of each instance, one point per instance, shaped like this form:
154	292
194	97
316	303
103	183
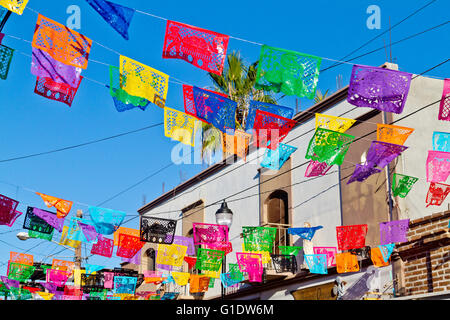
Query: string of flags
59	56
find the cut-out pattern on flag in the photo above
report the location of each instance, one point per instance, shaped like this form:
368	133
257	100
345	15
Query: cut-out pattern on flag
63	265
143	81
377	258
304	233
62	207
46	295
330	252
394	231
125	230
346	262
290	72
351	237
108	280
34	223
259	238
290	250
16	6
363	172
10	283
63	44
226	247
209	260
40	235
329	147
6	55
202	48
76	233
128	246
66	241
8	208
4	16
252	264
317	263
270	129
171	255
333	123
154	277
106	221
386	251
275	160
198	283
228	281
124	284
402	185
19	272
170	296
21	294
50	218
44	66
157	230
281	111
181	278
284	263
89	231
438	166
236	144
379	88
215	109
12	220
265	255
189	102
437	194
179	126
383	153
205	233
119	17
444	107
441	141
191	261
393	134
21	258
57	277
122	100
52	90
104	247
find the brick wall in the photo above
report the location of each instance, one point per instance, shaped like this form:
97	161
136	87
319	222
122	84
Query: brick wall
426	255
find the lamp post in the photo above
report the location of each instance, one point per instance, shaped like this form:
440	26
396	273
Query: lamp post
224	217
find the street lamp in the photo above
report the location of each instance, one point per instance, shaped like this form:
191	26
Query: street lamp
224	217
23	236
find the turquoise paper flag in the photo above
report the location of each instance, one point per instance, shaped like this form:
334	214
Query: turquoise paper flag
91	268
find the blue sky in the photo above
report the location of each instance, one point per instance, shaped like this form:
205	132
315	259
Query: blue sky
92	174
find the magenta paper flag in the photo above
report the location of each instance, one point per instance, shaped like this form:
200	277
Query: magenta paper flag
108	280
330	252
394	231
44	66
379	88
383	153
52	90
209	233
252	264
444	109
104	247
50	218
8	208
317	169
57	277
438	166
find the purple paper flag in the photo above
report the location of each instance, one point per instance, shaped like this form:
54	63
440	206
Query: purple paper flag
363	172
379	88
44	66
89	231
51	218
382	153
394	231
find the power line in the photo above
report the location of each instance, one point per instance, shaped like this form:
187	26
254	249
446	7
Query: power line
81	144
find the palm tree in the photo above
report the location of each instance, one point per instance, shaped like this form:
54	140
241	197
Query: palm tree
238	82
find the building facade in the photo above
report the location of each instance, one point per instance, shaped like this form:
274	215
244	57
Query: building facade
287	199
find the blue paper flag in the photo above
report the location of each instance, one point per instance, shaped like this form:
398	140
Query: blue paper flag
215	109
106	221
119	17
91	268
317	263
386	251
267	107
305	233
124	284
275	159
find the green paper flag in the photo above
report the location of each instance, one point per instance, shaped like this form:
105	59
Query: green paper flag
401	185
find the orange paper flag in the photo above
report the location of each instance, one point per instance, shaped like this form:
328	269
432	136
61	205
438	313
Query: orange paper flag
62	206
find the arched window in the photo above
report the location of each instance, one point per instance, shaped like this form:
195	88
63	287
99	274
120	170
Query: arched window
276	215
150	255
